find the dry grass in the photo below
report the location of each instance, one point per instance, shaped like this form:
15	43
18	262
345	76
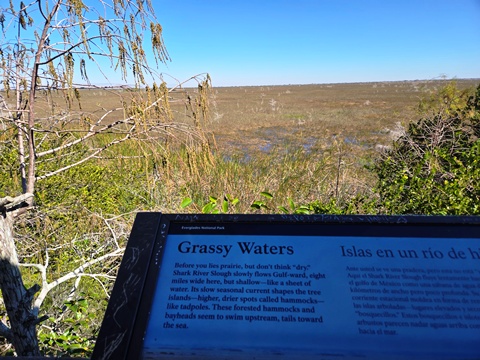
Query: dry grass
363	114
308	142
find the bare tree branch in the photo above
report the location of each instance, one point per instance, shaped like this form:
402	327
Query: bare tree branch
8	203
79	271
41	57
92	155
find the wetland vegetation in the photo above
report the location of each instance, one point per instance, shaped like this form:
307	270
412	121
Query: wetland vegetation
364	148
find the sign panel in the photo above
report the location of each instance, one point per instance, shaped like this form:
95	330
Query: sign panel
280	287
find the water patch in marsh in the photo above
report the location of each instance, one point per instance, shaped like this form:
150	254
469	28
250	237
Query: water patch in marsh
247	144
351	141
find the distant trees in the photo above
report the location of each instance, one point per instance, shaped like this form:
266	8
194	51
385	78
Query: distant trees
47	51
434	168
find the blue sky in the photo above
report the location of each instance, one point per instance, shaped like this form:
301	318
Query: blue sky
273	42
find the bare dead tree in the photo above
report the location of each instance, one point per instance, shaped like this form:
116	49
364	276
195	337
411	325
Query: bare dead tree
47	50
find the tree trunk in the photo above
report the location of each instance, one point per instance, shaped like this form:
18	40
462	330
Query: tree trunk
17	299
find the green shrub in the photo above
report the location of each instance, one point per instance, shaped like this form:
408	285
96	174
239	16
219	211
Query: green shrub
433	168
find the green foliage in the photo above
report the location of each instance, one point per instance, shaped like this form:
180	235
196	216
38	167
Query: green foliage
9	178
59	340
358	205
97	187
262	204
227	204
434	168
214	206
67	228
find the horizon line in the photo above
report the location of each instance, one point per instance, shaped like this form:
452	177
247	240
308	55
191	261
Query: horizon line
132	86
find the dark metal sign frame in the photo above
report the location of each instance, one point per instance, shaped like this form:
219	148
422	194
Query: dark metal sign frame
123	328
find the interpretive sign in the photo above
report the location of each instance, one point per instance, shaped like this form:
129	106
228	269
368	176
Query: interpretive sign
315	287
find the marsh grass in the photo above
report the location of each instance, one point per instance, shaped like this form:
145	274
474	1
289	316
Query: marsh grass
307	143
286	172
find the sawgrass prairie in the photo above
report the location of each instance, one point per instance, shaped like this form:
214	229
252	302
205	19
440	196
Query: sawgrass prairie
300	142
